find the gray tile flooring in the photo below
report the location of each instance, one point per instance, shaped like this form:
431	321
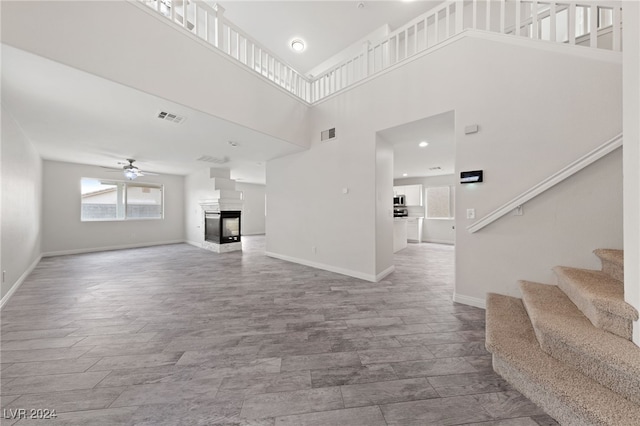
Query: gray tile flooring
175	335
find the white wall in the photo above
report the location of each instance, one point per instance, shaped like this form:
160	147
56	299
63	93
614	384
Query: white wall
141	49
631	130
440	231
309	218
560	227
63	232
253	209
535	116
21	218
384	209
197	186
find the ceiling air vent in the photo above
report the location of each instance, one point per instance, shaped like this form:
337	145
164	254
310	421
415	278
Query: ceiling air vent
435	168
326	135
210	159
167	116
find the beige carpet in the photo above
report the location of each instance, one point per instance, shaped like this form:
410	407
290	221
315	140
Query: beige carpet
567	335
612	262
600	297
563	392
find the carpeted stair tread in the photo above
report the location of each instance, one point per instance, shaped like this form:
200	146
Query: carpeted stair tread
612	262
563	392
567	335
599	297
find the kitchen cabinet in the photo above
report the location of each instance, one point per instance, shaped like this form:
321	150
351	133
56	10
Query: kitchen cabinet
414	229
412	193
399	234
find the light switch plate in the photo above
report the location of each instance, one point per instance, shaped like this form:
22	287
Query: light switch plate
471	213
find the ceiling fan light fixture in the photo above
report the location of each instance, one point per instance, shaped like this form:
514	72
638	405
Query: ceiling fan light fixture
131	173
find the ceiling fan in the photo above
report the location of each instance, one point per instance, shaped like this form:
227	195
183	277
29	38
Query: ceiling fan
131	172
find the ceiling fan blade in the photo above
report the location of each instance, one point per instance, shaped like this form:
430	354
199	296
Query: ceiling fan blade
141	173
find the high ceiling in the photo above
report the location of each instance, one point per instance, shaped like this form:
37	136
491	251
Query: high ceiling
57	109
327	27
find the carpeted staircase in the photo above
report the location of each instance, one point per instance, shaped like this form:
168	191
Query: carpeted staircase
568	347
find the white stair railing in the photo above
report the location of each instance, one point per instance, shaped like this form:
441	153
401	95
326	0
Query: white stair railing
590	23
209	24
557	21
567	171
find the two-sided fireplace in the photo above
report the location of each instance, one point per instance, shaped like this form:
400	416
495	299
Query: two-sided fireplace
222	227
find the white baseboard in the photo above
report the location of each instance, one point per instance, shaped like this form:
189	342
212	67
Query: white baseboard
468	300
439	242
109	248
330	268
384	273
19	282
194	243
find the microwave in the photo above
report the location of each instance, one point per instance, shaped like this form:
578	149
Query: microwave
398	200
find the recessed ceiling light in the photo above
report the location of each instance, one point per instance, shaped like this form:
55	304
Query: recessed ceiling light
423	144
233	143
297	45
405	175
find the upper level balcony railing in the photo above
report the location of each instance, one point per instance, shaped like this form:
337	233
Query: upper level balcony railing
589	23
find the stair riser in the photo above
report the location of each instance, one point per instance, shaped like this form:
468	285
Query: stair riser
550	403
613	270
593	368
599	318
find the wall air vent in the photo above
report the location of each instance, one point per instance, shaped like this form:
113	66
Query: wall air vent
326	135
210	159
167	116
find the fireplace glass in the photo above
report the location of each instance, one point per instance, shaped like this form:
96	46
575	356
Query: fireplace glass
222	227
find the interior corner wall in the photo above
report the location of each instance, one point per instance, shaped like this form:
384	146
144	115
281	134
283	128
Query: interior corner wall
21	205
253	209
384	212
440	231
631	141
65	233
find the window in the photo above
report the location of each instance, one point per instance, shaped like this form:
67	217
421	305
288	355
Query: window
439	202
114	200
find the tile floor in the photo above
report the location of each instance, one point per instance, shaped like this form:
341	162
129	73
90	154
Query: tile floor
175	335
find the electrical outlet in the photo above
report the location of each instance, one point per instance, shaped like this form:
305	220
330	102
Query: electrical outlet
3	275
471	213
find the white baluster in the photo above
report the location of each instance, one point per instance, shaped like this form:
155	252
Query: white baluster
406	43
219	26
474	17
365	58
426	32
415	39
534	20
572	24
616	29
447	18
195	22
593	26
552	21
518	18
436	27
488	16
502	16
459	16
